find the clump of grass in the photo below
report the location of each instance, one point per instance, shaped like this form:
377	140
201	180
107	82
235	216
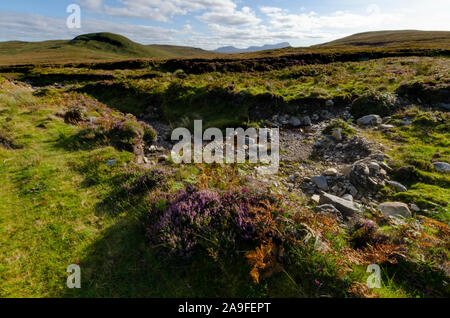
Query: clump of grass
336	123
374	102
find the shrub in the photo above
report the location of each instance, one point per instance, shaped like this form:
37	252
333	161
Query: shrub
127	132
203	220
374	102
149	133
347	130
363	232
74	115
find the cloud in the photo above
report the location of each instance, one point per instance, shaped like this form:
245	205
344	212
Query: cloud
91	4
231	17
18	26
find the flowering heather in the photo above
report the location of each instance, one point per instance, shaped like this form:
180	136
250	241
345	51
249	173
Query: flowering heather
219	222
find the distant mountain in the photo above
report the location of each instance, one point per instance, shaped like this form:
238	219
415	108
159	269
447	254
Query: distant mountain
88	47
232	49
392	38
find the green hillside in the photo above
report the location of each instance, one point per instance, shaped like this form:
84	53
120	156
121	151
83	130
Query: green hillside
88	47
394	38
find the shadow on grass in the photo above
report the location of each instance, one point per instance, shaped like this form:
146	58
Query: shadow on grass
121	264
62	78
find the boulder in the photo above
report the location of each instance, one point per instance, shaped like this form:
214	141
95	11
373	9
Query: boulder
442	167
369	120
394	209
320	182
346	207
306	121
294	121
398	186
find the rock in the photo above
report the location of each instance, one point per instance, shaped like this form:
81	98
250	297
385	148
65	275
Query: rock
329	103
442	167
320	182
398	186
353	190
373	166
348	208
369	120
386	127
414	207
348	197
329	208
395	209
316	198
331	172
306	121
163	158
337	134
294	121
325	114
385	166
406	122
445	106
110	162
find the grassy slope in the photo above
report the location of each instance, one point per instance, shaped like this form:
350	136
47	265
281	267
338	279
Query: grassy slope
393	38
90	47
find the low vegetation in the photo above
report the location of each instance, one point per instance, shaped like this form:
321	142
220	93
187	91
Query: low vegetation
84	180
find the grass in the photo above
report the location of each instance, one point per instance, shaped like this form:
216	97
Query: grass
60	203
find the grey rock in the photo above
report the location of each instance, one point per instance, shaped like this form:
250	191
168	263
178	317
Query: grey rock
353	190
398	186
348	208
294	121
348	197
373	166
110	162
444	105
395	209
316	198
307	121
442	167
329	103
414	207
386	127
406	122
369	120
325	114
320	182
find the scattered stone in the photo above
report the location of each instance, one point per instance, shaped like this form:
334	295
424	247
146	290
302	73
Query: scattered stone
348	197
442	167
110	162
294	121
406	122
316	198
369	120
348	208
373	166
395	209
331	172
307	121
325	114
320	182
329	103
386	127
398	186
414	207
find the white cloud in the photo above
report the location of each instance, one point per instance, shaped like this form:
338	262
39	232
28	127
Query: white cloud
20	26
91	4
245	16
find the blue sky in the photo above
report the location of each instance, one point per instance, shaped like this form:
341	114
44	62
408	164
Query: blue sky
212	23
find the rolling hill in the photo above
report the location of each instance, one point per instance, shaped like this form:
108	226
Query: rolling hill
88	47
232	49
393	38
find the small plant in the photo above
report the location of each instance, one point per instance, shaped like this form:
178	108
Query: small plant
74	115
364	232
336	123
374	102
150	134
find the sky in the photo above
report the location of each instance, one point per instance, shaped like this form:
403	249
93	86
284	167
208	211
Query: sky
210	24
